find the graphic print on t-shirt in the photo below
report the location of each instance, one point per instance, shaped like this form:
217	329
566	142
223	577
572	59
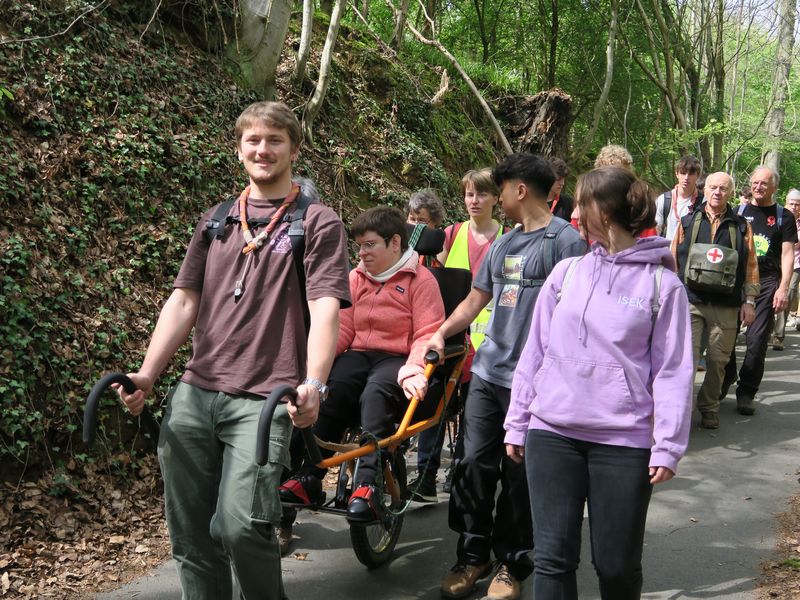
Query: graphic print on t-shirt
513	265
761	242
281	244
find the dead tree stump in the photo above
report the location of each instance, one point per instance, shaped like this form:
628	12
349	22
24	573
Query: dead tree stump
540	124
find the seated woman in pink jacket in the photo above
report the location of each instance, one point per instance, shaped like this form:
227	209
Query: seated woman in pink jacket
379	363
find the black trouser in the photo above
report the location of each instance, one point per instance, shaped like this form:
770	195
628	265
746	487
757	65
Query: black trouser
431	441
757	340
479	465
363	389
564	474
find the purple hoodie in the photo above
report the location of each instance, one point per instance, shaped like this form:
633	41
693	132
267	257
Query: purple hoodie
589	371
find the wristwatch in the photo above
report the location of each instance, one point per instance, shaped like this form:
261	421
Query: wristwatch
323	389
750	302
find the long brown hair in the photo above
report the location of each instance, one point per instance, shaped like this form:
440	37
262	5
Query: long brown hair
620	196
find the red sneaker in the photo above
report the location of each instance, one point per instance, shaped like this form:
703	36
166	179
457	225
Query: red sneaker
302	490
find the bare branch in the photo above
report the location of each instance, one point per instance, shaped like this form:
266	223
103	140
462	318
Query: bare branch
152	18
470	84
52	35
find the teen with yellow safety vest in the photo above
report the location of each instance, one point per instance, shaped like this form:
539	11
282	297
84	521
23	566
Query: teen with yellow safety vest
465	246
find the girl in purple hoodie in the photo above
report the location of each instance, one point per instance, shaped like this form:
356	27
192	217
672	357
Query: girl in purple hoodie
601	397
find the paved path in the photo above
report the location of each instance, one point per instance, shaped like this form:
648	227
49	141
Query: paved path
708	529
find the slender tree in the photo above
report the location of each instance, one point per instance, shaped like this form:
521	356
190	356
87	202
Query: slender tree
780	84
611	45
401	14
315	104
305	41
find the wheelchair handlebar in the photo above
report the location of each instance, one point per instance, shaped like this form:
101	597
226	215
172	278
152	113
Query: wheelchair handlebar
432	358
148	423
265	423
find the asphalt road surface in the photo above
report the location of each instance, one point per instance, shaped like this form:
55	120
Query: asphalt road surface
708	529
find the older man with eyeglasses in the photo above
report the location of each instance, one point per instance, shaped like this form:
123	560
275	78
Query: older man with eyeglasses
774	235
718	301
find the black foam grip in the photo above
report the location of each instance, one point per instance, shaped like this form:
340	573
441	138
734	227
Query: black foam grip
148	422
284	393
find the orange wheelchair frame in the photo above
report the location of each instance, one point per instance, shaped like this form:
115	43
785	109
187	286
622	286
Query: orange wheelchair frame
373	543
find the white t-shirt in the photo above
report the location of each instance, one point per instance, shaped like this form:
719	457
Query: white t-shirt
683	207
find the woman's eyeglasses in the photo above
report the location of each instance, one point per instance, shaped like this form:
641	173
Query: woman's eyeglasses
367	246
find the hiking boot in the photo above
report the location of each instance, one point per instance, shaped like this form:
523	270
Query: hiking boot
744	406
701	364
460	581
423	488
777	344
302	490
792	323
284	535
504	586
709	420
364	506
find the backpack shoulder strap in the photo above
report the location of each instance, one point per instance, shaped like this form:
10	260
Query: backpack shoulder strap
779	215
567	277
695	228
297	237
655	303
548	254
665	206
215	226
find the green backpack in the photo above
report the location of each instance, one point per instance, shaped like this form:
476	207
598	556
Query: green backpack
710	267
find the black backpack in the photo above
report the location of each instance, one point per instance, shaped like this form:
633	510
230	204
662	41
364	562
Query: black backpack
216	228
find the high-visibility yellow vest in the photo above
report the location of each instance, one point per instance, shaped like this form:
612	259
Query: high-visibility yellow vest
458	258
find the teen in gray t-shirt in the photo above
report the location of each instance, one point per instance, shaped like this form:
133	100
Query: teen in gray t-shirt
522	259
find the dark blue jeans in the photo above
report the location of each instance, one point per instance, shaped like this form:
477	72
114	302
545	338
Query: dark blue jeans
565	473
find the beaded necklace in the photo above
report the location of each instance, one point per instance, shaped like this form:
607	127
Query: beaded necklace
253	243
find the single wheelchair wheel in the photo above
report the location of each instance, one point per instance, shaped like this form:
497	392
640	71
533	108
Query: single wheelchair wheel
375	542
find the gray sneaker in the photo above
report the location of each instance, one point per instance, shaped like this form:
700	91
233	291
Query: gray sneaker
423	489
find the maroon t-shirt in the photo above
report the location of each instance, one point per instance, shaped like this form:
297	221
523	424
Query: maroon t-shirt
252	345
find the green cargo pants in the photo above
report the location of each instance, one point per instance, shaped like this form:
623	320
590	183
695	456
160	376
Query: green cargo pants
220	505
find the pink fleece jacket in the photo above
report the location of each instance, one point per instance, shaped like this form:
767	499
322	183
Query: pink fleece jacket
397	316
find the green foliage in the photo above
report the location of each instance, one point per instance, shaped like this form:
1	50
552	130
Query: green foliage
110	151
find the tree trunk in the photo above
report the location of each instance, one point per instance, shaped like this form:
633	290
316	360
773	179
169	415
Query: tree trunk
719	84
470	84
305	41
315	104
551	64
399	25
480	12
601	101
780	84
365	10
264	24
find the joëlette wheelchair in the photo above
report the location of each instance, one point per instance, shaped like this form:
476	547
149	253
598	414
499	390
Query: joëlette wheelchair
373	543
